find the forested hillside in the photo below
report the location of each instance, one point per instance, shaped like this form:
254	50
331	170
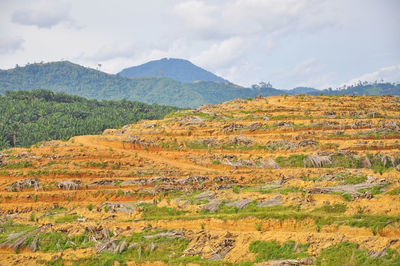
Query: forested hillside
384	88
90	83
28	117
176	69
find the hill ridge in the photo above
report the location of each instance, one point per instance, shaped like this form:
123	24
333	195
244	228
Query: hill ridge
175	68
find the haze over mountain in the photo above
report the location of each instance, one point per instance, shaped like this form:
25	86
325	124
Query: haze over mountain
71	78
176	69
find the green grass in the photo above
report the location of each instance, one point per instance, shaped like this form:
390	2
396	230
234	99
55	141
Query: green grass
375	190
285	117
338	161
347	253
335	208
327	215
353	180
155	212
166	250
236	189
97	164
10	227
270	190
48	241
17	165
196	145
68	218
395	191
269	250
199	114
375	222
235	147
291	161
170	145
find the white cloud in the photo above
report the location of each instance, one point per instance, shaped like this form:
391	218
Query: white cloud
10	45
222	54
43	14
388	74
313	42
111	51
201	20
308	73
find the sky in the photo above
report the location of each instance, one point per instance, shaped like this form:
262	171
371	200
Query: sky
290	43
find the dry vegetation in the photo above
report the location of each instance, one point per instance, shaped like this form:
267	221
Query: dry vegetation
295	180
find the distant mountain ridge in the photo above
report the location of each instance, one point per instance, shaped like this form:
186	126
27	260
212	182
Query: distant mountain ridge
71	78
384	88
177	69
305	90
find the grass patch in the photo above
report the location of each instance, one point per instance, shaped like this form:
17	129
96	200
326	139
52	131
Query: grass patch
49	241
97	164
17	165
335	208
270	190
269	250
395	191
10	227
295	160
375	222
68	218
353	180
162	249
155	212
375	190
347	253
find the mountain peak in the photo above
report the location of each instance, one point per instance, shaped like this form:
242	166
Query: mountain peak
175	68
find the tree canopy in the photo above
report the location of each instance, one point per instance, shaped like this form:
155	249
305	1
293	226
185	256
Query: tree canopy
28	117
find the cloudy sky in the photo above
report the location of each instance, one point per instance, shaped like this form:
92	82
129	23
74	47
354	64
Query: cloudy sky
317	43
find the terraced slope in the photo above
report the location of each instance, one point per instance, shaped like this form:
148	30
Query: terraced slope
295	180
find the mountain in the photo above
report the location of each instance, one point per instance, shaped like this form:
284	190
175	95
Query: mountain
74	79
77	80
173	68
302	90
364	89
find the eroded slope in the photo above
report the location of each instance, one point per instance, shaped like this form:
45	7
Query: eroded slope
293	178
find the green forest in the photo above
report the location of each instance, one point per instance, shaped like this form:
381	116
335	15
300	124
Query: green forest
74	79
90	83
28	117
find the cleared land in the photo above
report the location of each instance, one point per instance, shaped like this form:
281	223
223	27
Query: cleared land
296	179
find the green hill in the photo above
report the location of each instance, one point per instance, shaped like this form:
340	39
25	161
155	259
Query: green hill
78	80
28	117
364	89
74	79
173	68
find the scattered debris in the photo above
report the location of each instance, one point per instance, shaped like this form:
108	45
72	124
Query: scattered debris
18	240
115	206
240	204
317	161
21	184
277	200
69	185
212	206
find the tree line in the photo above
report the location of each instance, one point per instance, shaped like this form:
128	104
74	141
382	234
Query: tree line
28	117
